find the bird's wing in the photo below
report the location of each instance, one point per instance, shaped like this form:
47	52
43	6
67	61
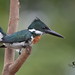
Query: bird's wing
20	36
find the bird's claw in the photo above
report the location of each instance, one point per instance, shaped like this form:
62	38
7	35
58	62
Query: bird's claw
20	52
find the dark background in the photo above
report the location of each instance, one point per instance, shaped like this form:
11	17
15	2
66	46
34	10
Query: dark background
52	55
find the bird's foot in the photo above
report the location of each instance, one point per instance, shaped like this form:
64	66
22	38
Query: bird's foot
20	52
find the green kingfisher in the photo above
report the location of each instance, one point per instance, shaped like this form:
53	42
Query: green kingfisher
27	37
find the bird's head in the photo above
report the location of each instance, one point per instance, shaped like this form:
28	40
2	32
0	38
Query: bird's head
39	28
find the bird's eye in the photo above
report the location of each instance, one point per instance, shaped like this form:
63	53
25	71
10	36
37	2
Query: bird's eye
45	28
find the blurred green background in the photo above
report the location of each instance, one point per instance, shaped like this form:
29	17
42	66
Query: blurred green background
52	55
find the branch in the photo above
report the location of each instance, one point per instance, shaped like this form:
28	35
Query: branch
20	60
11	66
13	23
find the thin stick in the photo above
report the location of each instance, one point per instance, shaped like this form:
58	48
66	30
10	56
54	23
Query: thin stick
13	23
11	66
20	60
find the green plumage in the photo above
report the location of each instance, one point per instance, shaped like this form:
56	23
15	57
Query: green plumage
36	28
1	30
20	36
38	25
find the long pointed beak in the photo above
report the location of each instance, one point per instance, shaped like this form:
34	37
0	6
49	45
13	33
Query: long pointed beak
53	33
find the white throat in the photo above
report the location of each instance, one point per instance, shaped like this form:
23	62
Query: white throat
36	31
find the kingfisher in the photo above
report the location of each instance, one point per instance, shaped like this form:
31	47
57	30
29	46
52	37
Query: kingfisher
26	37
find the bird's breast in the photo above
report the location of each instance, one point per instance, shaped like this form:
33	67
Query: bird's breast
36	39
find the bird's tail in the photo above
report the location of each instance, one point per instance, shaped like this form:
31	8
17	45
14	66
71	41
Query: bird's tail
2	34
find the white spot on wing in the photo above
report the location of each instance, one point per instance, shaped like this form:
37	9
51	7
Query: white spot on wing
1	36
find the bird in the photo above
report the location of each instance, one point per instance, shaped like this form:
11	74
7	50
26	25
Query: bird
26	37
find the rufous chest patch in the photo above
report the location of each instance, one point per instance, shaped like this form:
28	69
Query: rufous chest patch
36	39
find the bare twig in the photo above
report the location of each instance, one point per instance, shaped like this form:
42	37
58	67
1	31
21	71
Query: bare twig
11	66
20	60
13	22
